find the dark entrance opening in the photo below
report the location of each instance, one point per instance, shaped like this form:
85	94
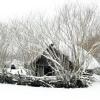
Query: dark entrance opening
48	71
13	67
44	70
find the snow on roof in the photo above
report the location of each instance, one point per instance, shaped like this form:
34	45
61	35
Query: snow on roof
83	55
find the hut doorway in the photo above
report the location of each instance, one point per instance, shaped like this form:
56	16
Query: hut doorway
48	71
44	70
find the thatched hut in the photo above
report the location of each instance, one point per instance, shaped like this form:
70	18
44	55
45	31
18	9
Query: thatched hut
45	66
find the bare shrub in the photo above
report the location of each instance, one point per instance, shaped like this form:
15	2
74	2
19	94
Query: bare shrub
68	31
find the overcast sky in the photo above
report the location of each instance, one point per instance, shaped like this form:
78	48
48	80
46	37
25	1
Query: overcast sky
10	9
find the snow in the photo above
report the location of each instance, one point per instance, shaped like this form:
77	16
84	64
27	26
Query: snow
88	59
18	92
20	71
96	77
19	67
15	92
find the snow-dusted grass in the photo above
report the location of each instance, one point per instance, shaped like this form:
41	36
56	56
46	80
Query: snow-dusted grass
15	92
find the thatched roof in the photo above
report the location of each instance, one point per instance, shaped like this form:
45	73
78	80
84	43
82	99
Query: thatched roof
83	55
50	53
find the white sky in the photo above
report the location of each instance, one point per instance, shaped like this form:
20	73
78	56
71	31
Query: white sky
20	8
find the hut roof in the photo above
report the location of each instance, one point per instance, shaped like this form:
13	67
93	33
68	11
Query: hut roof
83	55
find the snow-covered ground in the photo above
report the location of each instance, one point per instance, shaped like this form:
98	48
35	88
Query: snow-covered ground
15	92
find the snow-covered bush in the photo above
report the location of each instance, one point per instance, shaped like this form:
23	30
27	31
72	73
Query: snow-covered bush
72	27
68	31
